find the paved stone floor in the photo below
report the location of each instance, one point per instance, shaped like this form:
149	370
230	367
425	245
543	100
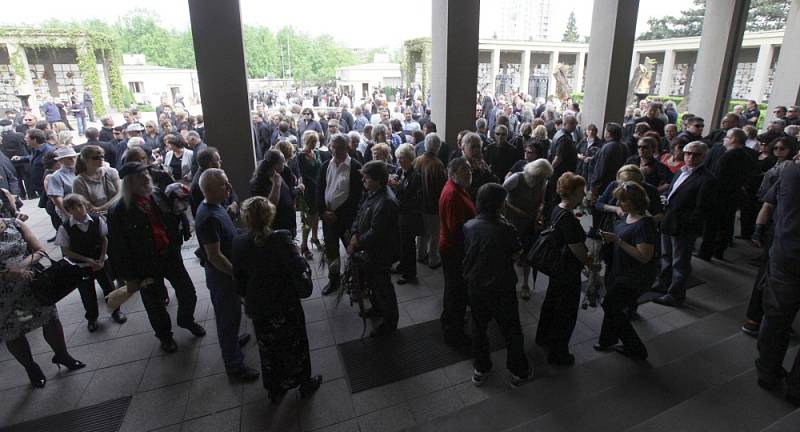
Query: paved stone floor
189	391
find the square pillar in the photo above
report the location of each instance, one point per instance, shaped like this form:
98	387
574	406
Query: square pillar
761	76
223	86
786	81
495	70
666	73
454	66
723	28
579	65
635	60
525	74
23	82
551	79
609	66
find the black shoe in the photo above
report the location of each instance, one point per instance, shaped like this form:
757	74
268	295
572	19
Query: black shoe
381	330
51	240
168	344
194	328
69	362
276	396
244	339
371	313
563	359
331	287
435	266
310	386
423	260
668	300
703	256
92	326
243	373
604	348
165	301
35	375
407	280
119	316
636	355
460	339
793	397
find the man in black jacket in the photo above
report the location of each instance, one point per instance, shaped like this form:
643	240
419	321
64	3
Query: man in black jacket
689	203
609	159
92	138
146	249
13	144
732	170
107	129
374	230
338	195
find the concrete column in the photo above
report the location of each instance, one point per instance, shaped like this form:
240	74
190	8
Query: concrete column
23	82
525	74
609	65
223	86
723	28
786	81
495	70
762	72
551	80
579	65
666	73
634	64
454	65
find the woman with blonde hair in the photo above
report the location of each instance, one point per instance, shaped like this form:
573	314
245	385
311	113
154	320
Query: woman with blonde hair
309	163
271	300
65	138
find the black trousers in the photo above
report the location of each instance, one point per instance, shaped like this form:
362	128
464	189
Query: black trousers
333	233
616	326
718	228
504	310
781	304
755	309
170	268
408	254
88	293
455	295
378	278
559	314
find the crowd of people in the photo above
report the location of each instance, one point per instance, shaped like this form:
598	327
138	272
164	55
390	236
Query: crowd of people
386	188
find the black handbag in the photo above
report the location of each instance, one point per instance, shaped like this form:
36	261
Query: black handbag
53	283
302	282
547	254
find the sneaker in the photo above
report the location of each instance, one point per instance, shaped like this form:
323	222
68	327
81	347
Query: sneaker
751	328
517	381
479	378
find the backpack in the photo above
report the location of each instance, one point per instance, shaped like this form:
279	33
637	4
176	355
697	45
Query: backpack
547	253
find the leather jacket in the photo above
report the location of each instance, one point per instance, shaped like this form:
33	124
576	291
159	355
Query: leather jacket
376	227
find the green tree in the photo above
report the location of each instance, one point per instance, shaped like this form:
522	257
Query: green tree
571	33
764	15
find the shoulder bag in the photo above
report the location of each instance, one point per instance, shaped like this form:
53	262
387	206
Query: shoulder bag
53	283
547	254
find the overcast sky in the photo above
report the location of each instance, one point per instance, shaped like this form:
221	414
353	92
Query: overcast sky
356	23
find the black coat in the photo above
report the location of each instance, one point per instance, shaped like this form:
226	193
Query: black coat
347	211
13	144
132	246
690	204
376	227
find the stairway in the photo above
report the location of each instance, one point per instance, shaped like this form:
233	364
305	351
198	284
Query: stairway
699	377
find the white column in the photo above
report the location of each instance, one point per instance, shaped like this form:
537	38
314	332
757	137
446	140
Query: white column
551	79
23	82
762	72
666	73
579	65
525	74
495	70
786	81
609	65
634	64
723	29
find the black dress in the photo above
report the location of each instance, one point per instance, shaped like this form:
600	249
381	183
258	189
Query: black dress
284	212
262	278
409	196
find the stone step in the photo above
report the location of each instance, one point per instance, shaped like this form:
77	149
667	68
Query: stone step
788	423
712	346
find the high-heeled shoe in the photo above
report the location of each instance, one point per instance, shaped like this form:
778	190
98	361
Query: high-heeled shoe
35	375
310	386
70	363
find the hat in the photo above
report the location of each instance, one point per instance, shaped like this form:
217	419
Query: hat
6	122
132	168
64	152
134	127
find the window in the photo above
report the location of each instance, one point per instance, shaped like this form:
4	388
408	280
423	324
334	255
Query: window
136	86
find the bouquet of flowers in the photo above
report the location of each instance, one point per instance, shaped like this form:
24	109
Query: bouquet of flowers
394	182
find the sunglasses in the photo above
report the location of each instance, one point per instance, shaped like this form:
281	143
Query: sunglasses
98	157
499	134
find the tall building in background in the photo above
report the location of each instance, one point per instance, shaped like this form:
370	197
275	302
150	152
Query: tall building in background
515	19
